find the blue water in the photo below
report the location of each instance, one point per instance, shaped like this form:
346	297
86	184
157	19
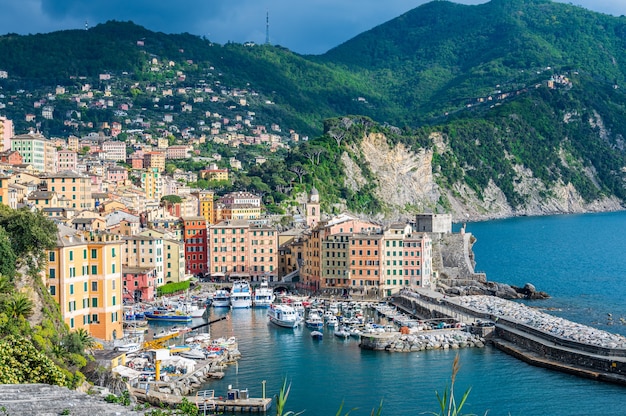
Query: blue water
578	259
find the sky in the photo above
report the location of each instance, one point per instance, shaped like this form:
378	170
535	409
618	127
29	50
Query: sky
305	27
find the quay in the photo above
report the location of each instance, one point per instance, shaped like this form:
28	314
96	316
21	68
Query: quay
534	337
206	401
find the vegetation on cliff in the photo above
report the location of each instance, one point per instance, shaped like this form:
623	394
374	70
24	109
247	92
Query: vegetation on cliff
35	345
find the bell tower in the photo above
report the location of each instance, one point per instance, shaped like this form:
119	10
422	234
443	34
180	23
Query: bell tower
313	214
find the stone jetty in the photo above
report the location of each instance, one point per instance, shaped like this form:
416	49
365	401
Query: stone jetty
542	321
421	341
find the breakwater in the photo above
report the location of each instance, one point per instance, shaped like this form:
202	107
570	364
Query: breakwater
421	341
533	336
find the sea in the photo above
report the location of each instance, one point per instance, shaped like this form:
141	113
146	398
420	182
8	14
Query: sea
579	260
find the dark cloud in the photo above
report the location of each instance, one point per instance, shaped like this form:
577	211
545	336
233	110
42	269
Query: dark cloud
312	26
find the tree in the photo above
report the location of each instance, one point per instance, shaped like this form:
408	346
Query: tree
7	265
18	306
299	170
30	234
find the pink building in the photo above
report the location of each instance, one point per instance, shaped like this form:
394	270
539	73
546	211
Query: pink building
239	249
117	175
67	160
139	284
177	152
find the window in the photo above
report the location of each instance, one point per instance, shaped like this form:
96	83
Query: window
71	289
85	254
52	273
94	286
94	269
94	302
53	290
113	268
51	256
114	301
94	253
71	255
85	287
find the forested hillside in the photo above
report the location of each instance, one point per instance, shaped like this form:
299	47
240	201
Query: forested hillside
513	104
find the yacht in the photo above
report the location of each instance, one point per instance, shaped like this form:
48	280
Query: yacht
283	315
263	295
241	295
221	299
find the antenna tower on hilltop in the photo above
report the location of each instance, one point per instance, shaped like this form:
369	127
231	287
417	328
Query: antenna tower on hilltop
267	28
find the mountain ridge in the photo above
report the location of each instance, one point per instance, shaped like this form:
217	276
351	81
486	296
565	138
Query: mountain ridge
524	98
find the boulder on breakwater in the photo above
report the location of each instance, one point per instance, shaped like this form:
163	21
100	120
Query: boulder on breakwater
421	341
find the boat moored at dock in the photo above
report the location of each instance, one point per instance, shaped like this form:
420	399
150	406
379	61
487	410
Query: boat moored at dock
241	295
263	295
283	315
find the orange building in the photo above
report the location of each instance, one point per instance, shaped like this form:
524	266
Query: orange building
366	254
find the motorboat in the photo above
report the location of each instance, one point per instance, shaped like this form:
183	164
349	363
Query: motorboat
263	295
193	353
317	335
221	299
173	331
241	295
128	347
167	315
283	315
342	333
332	321
314	321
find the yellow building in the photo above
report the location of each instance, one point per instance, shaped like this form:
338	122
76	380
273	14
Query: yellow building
152	183
71	186
154	160
4	189
84	276
205	206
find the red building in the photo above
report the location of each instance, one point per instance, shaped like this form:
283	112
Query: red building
196	248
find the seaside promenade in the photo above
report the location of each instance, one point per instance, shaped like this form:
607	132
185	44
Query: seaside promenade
533	336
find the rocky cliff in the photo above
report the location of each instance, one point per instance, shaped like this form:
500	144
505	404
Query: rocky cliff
406	183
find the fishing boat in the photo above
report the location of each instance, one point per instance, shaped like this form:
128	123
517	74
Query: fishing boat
175	330
263	295
241	295
283	315
221	299
167	315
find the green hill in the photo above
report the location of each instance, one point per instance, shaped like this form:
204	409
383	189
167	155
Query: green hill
505	95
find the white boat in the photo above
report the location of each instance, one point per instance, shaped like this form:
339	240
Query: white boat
221	299
317	335
283	315
241	295
263	295
342	333
129	347
193	353
314	321
332	321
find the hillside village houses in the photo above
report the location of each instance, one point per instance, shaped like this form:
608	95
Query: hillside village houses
117	241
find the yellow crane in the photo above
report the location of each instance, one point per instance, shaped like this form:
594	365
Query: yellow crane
159	343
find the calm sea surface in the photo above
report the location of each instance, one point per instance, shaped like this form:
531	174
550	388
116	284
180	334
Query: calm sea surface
578	259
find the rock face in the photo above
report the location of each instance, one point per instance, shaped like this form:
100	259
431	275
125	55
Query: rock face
47	400
405	181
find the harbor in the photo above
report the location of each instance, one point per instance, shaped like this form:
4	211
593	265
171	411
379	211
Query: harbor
411	322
